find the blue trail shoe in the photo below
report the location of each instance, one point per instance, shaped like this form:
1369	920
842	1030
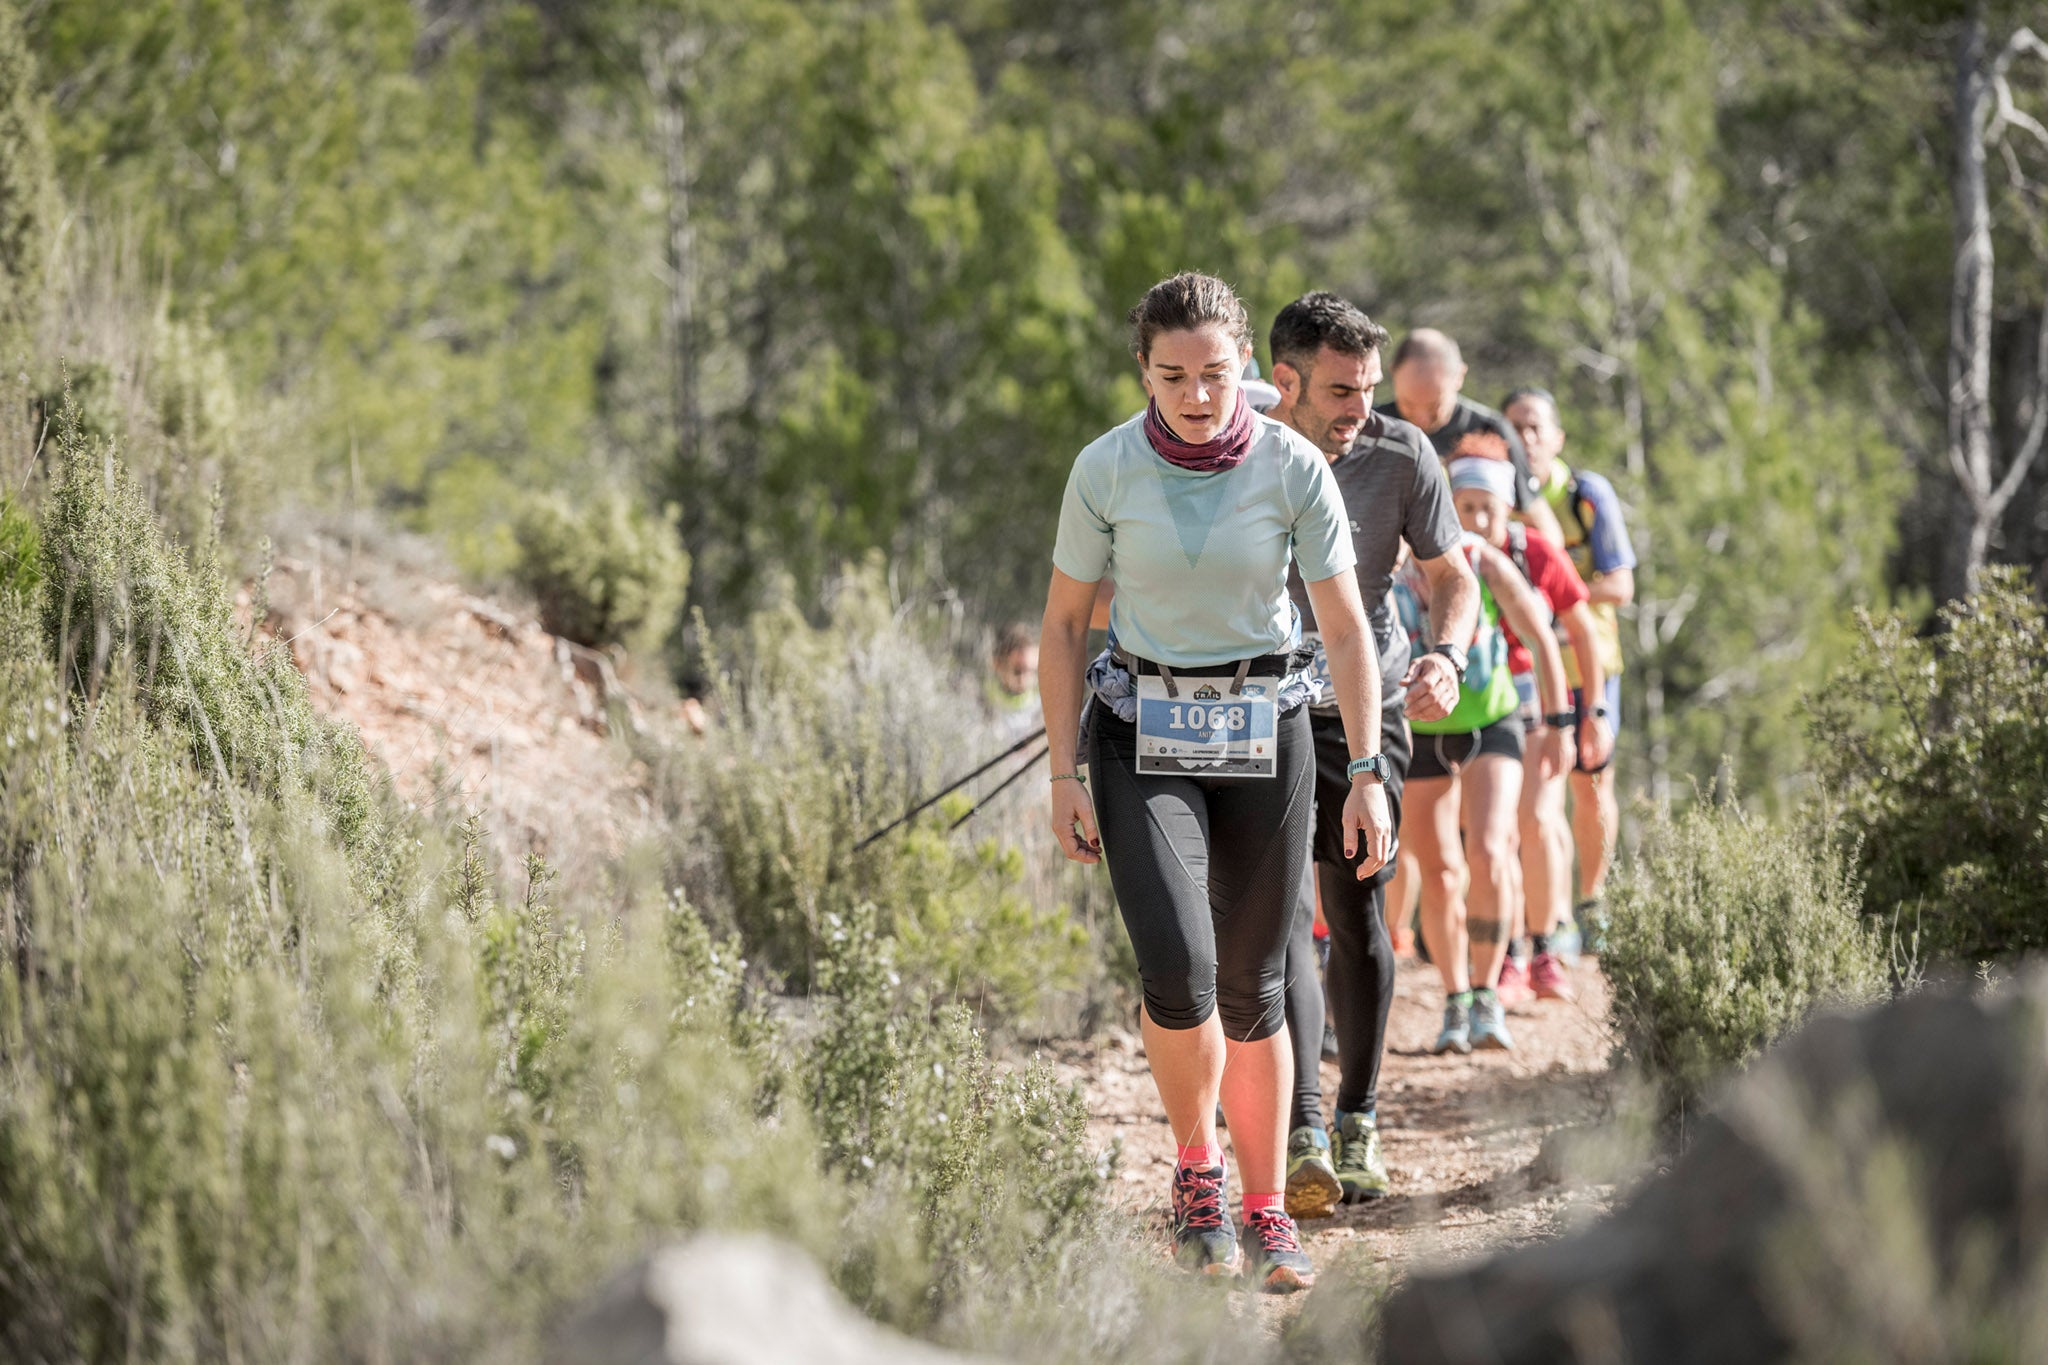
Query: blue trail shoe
1489	1027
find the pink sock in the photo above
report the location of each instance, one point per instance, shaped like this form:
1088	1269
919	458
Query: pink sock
1255	1203
1210	1154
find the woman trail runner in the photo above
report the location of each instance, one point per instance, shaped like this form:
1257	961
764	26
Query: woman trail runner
1198	743
1465	780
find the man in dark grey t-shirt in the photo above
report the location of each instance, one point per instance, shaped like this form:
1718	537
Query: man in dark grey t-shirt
1326	360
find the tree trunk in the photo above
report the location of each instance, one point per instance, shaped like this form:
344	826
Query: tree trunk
668	60
1969	328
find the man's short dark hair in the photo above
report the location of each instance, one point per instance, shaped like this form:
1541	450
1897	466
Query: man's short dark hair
1321	319
1536	391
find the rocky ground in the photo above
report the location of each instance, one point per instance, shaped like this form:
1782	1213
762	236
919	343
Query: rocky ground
1461	1133
470	704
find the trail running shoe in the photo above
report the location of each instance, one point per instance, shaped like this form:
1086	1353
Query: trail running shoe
1312	1188
1592	921
1565	942
1548	979
1329	1043
1457	1034
1513	986
1489	1028
1203	1239
1360	1169
1274	1260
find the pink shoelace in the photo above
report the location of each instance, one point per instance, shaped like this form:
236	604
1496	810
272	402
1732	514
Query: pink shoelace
1275	1231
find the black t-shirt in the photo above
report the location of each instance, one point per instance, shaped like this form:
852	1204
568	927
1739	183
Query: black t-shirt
1394	489
1478	423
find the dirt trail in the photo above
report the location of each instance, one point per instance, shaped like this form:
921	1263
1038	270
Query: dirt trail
1460	1133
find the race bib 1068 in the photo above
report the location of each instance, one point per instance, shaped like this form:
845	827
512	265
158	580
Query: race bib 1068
1206	730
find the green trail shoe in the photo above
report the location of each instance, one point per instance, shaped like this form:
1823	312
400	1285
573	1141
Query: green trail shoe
1312	1188
1591	918
1489	1026
1361	1170
1203	1238
1457	1034
1274	1260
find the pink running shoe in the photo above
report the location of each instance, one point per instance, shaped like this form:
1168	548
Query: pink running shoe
1513	988
1548	978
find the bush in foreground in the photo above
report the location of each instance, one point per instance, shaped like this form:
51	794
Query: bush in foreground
1726	932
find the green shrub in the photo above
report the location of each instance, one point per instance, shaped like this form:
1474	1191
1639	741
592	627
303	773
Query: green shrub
1726	931
122	598
826	734
608	572
1937	750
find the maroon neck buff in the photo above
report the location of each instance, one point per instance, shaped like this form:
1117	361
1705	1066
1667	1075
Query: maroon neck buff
1225	452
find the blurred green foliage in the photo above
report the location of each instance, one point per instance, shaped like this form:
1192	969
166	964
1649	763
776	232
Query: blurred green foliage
1937	750
848	279
27	190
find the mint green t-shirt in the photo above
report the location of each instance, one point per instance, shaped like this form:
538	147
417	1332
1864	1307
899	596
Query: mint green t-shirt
1200	560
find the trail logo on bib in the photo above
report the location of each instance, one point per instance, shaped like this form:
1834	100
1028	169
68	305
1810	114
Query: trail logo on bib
1207	730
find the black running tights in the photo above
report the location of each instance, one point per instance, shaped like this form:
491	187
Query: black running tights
1207	873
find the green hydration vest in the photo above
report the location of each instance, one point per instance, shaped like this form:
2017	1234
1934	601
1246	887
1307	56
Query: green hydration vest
1573	514
1486	693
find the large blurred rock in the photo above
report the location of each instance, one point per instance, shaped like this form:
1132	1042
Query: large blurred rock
1874	1189
731	1300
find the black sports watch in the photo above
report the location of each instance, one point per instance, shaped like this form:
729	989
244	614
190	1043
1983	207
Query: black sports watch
1455	653
1373	764
1561	720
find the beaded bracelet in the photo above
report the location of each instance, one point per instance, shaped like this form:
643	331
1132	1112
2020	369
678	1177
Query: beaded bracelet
1082	778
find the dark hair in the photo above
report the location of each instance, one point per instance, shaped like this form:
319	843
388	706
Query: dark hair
1011	638
1429	342
1187	301
1321	319
1532	391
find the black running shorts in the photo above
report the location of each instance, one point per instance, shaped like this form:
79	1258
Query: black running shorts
1444	755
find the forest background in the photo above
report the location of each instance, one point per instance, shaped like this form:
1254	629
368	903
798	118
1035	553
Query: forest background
841	280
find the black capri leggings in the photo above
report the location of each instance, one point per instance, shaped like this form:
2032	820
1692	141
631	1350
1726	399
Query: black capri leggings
1206	871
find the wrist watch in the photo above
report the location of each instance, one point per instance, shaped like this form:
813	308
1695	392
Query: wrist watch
1455	653
1373	765
1560	720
